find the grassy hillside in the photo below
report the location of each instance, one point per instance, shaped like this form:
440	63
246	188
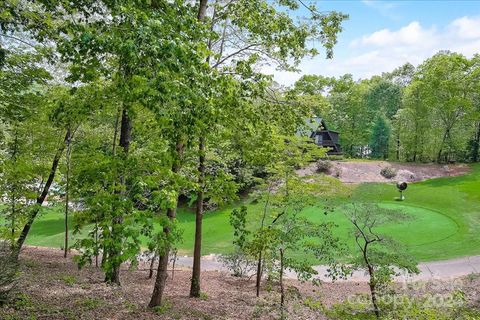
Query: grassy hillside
445	219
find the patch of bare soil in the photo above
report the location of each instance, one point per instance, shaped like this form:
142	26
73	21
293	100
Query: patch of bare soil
369	171
51	287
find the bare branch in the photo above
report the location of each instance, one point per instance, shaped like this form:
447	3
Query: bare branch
17	39
234	54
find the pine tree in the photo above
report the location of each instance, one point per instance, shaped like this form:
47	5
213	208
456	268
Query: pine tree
380	138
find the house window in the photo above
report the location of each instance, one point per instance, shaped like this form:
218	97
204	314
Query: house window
319	139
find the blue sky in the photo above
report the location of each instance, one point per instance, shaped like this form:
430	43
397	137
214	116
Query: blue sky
381	35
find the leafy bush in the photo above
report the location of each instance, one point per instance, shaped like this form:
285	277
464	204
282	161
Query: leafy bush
324	166
388	172
239	263
335	157
8	271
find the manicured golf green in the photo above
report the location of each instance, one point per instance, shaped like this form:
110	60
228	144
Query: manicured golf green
445	219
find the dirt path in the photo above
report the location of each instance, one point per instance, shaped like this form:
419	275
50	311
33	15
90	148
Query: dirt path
436	270
369	171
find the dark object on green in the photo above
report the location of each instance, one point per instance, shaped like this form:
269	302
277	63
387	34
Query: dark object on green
402	186
3	54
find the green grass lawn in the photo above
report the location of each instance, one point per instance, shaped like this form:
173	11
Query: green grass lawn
445	219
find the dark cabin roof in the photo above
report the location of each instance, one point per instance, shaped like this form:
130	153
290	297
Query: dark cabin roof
316	124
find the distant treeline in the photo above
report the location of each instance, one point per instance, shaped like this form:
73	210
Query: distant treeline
425	113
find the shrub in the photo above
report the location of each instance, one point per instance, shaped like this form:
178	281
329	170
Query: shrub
239	263
324	166
388	172
335	157
338	172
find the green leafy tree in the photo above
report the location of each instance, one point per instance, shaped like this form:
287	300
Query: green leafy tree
443	86
379	141
379	255
251	32
384	98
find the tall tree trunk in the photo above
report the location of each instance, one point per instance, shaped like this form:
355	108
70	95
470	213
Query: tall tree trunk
96	241
12	219
476	144
67	185
152	263
398	145
202	10
373	291
282	289
439	155
113	275
13	191
197	252
161	278
41	198
258	281
114	153
260	254
372	282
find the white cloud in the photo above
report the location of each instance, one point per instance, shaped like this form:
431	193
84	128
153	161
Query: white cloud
466	27
412	34
384	50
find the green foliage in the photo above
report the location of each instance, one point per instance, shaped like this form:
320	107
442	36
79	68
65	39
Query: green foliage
429	113
8	272
384	97
379	140
69	279
203	296
239	263
379	255
442	306
164	308
90	303
157	103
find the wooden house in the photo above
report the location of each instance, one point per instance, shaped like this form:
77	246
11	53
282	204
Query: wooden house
324	137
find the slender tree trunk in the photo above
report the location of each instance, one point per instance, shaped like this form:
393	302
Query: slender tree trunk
282	289
96	241
372	282
113	275
202	10
67	190
373	291
173	262
260	254
13	191
259	273
41	198
13	213
445	137
152	263
197	252
161	278
476	144
398	144
114	153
